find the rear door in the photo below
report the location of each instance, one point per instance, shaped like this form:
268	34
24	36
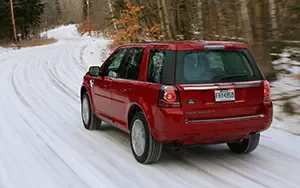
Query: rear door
123	87
218	84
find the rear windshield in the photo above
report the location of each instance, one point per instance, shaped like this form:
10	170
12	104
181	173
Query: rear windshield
215	67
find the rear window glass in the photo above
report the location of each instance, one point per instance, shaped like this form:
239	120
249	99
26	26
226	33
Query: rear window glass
159	61
214	66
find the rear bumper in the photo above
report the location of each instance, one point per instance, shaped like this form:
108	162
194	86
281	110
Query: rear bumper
170	126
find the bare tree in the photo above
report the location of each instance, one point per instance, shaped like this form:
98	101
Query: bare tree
161	18
200	17
260	48
247	31
166	19
112	15
273	12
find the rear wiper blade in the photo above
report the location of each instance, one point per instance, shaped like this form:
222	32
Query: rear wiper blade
234	76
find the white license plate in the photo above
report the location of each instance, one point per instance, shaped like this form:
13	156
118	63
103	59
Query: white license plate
224	95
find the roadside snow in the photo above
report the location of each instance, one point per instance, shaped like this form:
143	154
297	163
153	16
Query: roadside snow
43	142
2	50
94	53
287	87
62	32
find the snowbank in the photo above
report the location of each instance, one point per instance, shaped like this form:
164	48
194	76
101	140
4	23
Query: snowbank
62	32
286	89
2	50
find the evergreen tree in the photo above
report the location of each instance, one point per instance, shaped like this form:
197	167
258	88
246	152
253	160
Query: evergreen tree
27	16
5	20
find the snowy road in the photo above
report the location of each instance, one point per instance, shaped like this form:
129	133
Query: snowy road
43	142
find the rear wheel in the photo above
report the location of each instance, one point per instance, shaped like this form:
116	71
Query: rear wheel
145	148
90	121
246	145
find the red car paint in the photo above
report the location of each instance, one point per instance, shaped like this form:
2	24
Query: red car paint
206	121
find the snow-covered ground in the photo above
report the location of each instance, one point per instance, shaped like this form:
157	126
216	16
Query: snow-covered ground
43	142
2	50
287	89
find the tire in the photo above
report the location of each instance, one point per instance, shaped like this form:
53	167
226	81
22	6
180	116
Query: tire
90	121
150	150
245	146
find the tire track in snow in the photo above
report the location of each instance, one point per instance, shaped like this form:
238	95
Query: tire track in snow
52	151
185	163
254	173
227	165
20	96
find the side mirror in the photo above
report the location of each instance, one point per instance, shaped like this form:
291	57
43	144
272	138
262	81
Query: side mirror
95	71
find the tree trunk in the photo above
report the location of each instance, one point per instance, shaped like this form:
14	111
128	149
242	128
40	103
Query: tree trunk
221	21
205	20
166	20
212	19
112	15
239	26
178	19
260	48
200	18
273	12
246	22
161	18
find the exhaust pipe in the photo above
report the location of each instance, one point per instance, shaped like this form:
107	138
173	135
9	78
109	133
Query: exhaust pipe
177	146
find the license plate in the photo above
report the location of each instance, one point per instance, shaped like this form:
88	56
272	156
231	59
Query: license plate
224	95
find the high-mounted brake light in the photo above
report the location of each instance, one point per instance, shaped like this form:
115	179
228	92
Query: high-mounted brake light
267	91
214	47
169	97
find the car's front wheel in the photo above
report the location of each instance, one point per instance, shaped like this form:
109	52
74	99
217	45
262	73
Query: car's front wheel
145	148
245	146
90	121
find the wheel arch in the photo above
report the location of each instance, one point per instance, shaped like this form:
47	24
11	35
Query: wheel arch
85	89
134	108
82	91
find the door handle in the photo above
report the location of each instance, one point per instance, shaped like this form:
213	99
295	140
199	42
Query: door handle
127	90
108	83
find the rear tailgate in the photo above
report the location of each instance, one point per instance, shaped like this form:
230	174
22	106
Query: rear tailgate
199	102
218	85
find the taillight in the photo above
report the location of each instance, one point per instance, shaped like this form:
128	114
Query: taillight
267	91
169	97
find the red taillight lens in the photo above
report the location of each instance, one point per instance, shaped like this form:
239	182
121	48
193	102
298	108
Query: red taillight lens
169	97
267	91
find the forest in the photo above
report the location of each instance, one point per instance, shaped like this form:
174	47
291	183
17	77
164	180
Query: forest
265	25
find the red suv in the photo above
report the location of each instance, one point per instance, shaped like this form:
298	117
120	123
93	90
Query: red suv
181	93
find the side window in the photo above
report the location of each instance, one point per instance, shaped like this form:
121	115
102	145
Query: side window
112	67
155	67
130	68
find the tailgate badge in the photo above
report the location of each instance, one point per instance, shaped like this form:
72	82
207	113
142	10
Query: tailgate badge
191	102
